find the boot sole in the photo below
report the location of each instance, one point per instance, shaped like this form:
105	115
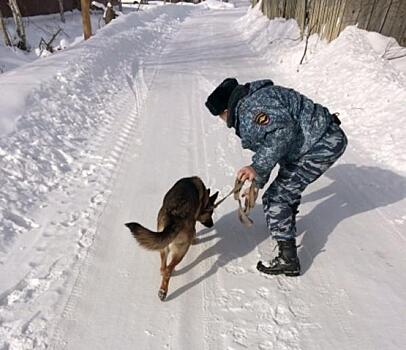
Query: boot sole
292	274
268	271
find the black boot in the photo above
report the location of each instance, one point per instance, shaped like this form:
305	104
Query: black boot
286	262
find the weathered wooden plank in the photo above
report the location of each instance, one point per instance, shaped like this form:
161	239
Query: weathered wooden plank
335	28
395	18
280	10
338	25
320	18
378	15
325	18
300	15
330	17
350	14
291	6
263	7
314	10
401	37
364	15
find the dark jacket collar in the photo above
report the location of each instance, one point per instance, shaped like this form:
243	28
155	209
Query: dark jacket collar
238	93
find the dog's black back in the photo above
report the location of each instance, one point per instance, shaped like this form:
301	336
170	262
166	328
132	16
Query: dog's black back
183	199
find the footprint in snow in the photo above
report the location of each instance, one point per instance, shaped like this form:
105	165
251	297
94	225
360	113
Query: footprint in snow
282	315
73	217
86	238
97	199
240	336
147	332
267	345
235	270
263	292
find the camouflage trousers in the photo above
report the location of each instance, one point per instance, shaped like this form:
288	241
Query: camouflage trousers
283	196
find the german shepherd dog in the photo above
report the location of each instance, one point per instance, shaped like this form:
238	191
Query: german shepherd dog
185	203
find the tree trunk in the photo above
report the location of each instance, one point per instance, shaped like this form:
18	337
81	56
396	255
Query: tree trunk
22	44
61	10
87	27
120	5
7	40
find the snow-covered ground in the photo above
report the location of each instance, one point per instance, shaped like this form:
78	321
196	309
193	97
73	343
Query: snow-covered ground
94	135
44	27
69	34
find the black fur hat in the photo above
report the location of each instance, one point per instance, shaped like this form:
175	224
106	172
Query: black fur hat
217	102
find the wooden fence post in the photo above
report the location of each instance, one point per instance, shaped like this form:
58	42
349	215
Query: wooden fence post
87	26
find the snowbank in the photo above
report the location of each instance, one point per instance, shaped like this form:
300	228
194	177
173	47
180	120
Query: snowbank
70	117
217	5
44	27
351	75
45	126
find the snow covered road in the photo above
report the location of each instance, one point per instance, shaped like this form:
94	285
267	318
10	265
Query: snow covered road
351	229
175	137
218	300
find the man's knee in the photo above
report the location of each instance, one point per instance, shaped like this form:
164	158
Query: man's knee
277	194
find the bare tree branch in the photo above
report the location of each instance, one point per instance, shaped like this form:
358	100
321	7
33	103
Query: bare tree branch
43	45
396	57
307	35
307	29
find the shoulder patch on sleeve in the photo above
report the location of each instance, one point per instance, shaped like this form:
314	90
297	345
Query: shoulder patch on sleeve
262	118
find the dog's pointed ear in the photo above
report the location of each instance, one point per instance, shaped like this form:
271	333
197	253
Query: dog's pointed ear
214	197
208	192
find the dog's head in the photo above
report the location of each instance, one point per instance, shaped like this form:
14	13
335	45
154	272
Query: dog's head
205	215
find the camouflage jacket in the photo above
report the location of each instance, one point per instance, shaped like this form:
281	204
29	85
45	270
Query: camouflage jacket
278	124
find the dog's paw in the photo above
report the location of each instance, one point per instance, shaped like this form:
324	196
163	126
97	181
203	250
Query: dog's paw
162	294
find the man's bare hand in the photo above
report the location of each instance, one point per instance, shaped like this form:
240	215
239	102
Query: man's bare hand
246	173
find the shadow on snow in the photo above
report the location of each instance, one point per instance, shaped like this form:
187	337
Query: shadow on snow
354	190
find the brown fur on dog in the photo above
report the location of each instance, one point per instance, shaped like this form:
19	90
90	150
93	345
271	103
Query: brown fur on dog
185	203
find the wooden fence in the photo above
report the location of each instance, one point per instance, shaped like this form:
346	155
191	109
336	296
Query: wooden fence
43	7
330	17
38	7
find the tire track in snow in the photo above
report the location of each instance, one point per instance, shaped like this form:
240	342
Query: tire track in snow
72	307
38	285
126	136
60	239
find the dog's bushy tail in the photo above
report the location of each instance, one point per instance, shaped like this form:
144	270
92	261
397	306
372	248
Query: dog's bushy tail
154	240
